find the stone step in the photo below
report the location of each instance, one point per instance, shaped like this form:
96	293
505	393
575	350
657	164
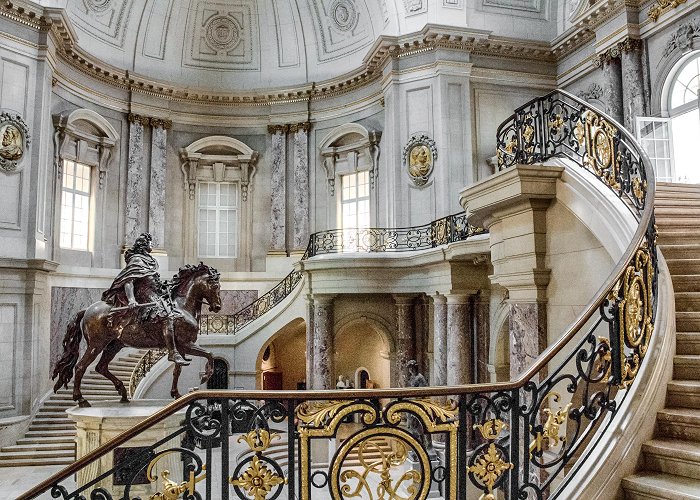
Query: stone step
687	301
676	187
688	321
56	427
39	447
53	433
46	439
647	485
676	238
683	394
688	343
683	266
18	455
665	212
32	462
679	200
686	366
672	456
681	250
60	420
679	423
685	282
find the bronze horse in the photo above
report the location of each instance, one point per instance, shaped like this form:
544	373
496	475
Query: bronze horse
190	288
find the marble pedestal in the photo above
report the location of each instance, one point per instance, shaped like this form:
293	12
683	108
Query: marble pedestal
103	421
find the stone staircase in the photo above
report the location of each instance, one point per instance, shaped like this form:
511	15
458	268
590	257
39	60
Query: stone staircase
50	439
671	461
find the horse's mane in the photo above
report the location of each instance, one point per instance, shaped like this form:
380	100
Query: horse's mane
187	273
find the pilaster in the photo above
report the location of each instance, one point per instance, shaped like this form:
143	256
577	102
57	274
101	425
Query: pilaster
405	336
459	345
323	349
278	202
136	218
156	213
301	185
439	340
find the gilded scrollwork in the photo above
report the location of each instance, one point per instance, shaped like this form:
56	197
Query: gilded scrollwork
635	314
262	475
550	434
171	490
489	461
392	477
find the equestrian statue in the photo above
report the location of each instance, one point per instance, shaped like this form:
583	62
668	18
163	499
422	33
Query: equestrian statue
140	310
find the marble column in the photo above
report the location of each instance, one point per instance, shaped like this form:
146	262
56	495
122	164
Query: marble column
420	312
136	216
156	212
612	86
527	326
323	348
482	311
439	339
278	162
459	346
405	336
633	82
309	342
301	185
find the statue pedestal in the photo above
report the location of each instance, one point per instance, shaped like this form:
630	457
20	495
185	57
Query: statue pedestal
103	421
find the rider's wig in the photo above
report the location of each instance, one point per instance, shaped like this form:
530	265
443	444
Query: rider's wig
141	246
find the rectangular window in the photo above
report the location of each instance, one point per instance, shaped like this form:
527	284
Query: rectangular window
75	206
218	219
354	209
654	134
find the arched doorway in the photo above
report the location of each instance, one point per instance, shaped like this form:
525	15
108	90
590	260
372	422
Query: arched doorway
362	354
219	379
281	363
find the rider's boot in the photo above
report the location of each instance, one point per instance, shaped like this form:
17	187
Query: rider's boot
173	354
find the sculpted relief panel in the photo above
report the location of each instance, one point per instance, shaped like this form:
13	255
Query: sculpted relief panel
104	19
342	27
223	35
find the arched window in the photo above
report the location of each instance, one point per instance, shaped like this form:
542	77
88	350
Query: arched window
670	140
85	143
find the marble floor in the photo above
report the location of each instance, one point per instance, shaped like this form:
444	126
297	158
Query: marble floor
16	480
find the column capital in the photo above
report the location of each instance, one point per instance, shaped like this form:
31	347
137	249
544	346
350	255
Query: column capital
277	128
458	298
404	299
439	298
323	299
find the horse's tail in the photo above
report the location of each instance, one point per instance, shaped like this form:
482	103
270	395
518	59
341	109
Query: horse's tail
71	353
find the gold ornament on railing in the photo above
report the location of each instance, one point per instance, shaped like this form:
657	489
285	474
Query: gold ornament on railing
257	481
597	136
170	489
549	435
142	368
490	465
635	313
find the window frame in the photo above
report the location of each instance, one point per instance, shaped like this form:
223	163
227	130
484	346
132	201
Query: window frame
218	209
89	236
668	140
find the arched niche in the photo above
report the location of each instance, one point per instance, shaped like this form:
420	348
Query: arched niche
346	149
363	343
283	357
219	159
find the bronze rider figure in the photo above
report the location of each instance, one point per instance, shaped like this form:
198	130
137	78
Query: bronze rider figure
139	293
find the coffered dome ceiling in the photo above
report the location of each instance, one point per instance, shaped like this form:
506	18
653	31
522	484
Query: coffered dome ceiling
230	44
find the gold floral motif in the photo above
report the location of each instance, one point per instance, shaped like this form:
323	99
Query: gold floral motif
556	123
603	363
597	135
528	133
171	489
511	145
660	6
258	440
489	467
639	189
491	429
580	132
550	430
257	481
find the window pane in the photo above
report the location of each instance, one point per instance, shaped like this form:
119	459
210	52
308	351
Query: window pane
217	219
686	134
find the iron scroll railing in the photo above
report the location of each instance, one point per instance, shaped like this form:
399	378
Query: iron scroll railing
516	440
439	232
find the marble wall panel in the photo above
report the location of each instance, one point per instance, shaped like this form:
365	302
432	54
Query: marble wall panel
66	302
233	301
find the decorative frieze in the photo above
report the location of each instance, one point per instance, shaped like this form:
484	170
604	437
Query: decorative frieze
661	6
683	38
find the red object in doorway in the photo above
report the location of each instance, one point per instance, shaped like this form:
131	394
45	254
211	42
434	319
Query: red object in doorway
272	381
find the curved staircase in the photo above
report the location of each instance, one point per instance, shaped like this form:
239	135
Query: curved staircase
50	439
671	461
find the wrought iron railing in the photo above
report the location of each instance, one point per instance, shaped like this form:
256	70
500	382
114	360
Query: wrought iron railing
514	440
442	231
375	239
147	361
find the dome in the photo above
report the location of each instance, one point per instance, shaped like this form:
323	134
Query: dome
229	45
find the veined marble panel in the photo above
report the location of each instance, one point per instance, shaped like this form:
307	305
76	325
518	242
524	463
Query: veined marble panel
66	302
156	213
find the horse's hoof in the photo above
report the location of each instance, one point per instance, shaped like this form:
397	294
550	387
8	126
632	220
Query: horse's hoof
175	395
124	400
83	403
